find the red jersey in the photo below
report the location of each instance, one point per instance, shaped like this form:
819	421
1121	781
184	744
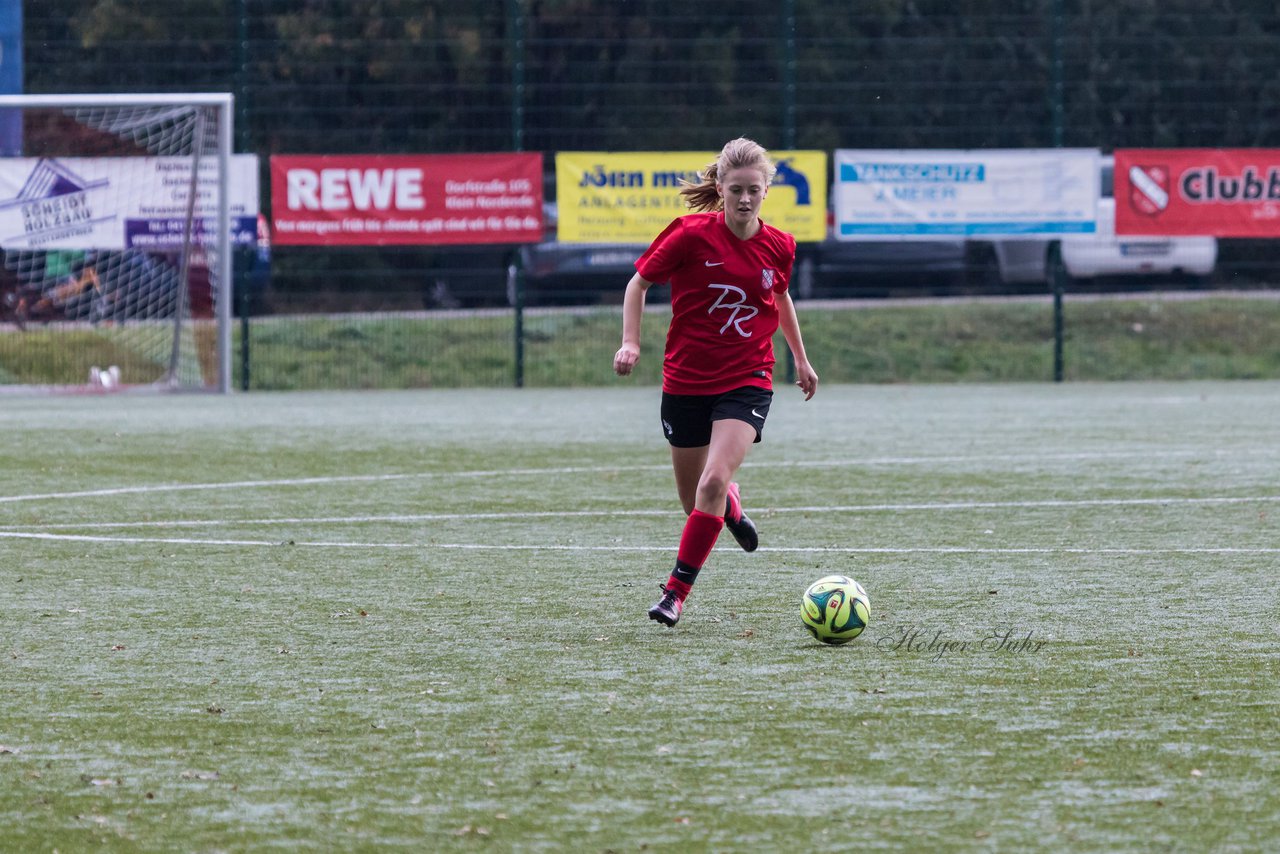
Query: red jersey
723	304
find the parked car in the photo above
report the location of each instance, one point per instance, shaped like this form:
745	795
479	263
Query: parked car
1104	254
1108	255
557	273
579	273
467	277
839	268
568	273
1019	261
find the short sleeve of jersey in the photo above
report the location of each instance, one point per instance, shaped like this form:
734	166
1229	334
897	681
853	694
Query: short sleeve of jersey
787	254
665	254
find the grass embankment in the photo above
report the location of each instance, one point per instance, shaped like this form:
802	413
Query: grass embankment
1010	341
1154	337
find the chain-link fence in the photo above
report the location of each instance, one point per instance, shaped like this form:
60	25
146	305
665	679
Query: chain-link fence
404	76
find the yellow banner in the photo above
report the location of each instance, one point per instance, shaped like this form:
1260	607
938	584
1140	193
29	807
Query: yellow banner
629	197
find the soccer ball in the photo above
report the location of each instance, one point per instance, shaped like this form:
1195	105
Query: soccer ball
835	609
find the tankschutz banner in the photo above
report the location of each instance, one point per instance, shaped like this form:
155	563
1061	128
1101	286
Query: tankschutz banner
121	202
630	197
932	194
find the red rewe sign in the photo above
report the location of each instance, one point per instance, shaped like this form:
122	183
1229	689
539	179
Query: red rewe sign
1198	191
370	200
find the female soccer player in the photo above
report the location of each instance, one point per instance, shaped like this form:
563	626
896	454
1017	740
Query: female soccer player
729	273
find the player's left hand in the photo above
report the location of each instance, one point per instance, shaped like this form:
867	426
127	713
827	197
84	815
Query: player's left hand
807	380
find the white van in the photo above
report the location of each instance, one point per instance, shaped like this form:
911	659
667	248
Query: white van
1104	254
1090	256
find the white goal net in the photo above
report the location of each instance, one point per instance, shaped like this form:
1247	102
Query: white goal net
115	237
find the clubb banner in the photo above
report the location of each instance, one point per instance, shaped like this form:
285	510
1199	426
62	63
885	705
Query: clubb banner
927	194
370	200
1194	191
121	202
629	197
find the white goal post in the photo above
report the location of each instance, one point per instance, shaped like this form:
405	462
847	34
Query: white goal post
116	236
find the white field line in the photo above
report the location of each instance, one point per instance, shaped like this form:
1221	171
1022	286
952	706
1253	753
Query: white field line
569	470
763	512
44	533
311	481
183	541
47	535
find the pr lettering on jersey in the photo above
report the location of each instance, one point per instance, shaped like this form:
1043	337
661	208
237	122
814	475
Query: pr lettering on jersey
739	311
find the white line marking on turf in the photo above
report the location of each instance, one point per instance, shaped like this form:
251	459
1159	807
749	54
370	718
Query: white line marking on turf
554	471
564	514
310	481
183	541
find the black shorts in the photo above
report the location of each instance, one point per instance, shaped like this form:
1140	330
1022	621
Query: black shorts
686	418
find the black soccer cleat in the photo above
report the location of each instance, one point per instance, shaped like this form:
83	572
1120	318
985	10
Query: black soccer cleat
667	610
742	528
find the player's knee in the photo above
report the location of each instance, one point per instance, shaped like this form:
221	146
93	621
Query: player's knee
712	486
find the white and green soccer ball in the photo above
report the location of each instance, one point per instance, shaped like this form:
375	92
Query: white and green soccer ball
835	609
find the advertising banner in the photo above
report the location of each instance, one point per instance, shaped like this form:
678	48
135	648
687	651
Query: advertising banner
120	202
373	200
629	197
926	195
1193	191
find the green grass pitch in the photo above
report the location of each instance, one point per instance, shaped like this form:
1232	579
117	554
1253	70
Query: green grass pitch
416	621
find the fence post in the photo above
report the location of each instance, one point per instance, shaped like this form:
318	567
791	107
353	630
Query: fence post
515	290
515	274
1056	84
515	36
243	144
241	285
1057	274
787	35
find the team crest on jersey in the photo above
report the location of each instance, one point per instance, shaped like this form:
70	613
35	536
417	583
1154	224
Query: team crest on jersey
766	278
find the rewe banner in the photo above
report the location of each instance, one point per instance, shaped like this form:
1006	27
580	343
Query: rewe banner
364	200
1198	191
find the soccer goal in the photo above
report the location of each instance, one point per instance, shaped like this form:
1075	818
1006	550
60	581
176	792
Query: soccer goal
116	235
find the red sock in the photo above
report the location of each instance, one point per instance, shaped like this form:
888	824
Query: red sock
700	533
678	587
